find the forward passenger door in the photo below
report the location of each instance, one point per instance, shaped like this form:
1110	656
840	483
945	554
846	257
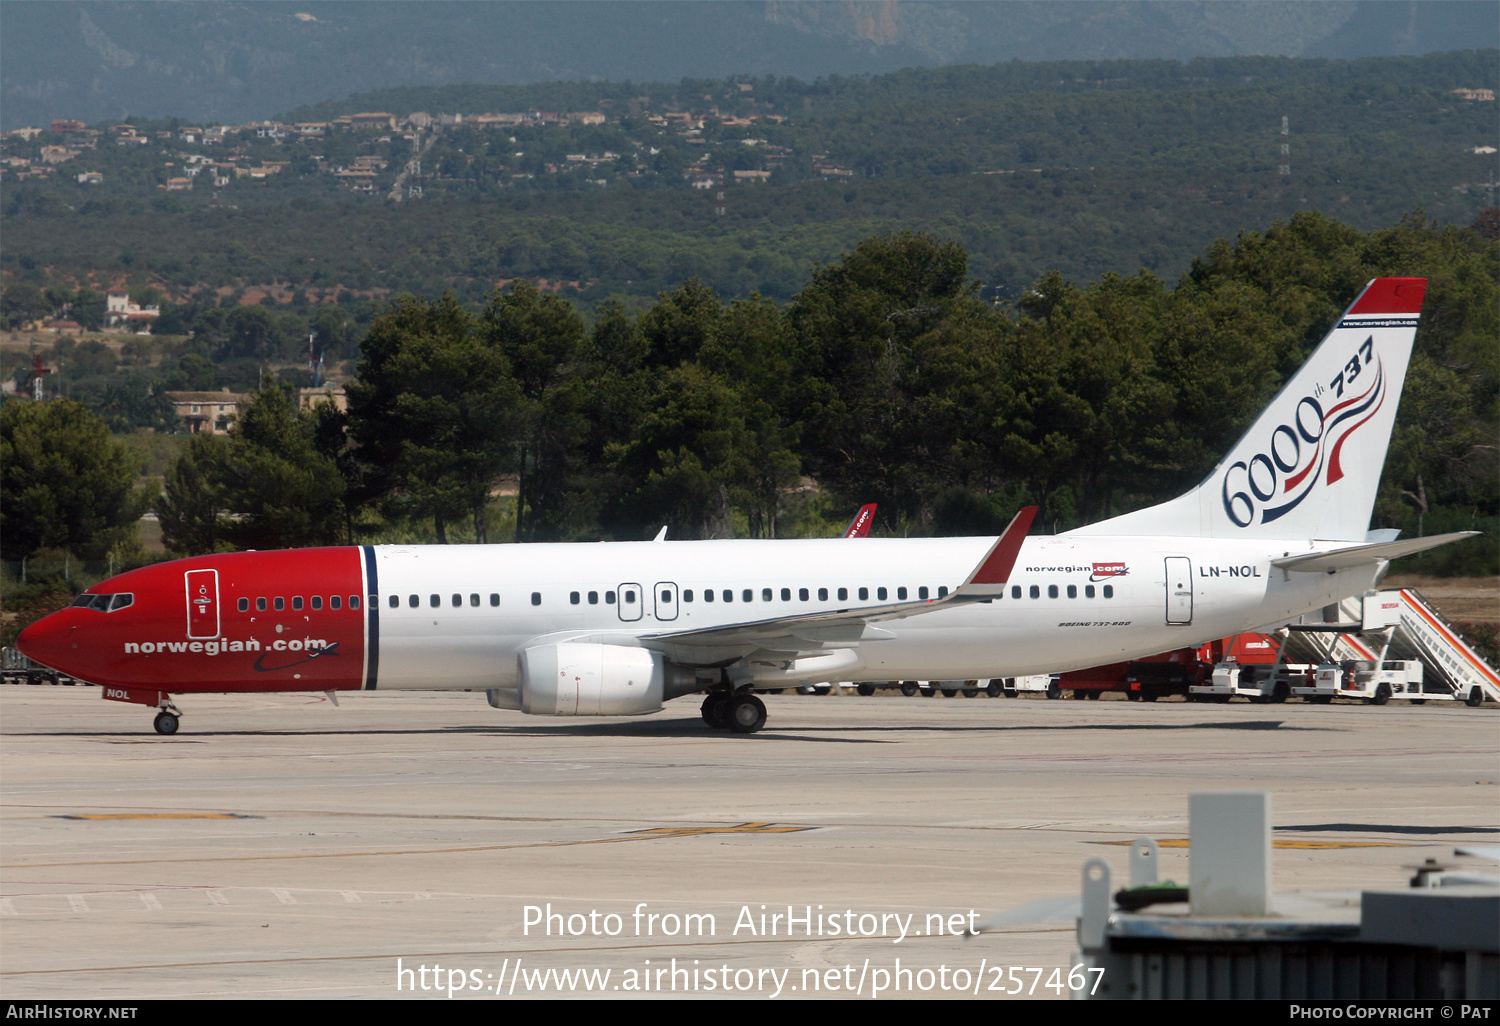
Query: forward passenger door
629	602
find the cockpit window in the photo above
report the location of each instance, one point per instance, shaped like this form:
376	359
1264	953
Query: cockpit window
104	603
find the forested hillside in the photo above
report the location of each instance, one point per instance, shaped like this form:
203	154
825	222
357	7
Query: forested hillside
234	60
1082	167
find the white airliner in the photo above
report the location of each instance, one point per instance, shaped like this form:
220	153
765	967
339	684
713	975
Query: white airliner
1279	529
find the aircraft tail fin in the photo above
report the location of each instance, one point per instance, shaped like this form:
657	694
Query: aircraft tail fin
859	527
1310	464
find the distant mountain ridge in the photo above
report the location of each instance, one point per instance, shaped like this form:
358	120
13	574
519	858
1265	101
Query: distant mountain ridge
235	61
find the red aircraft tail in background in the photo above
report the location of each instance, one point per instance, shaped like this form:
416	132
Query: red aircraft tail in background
859	527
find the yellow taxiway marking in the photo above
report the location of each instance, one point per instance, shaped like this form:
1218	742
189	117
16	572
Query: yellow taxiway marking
157	815
1181	842
651	834
741	828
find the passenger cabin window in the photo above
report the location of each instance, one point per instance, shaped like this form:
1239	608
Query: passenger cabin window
708	594
594	598
474	599
843	594
728	595
1088	591
1072	591
687	596
536	598
943	591
414	601
280	603
922	592
1109	591
244	605
880	593
457	600
434	601
747	595
765	594
1015	591
609	598
822	594
395	601
1036	591
901	593
574	598
354	601
1052	591
317	601
864	594
786	594
494	598
297	602
260	605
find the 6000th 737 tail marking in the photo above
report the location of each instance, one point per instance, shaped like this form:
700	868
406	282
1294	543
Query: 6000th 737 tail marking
1278	529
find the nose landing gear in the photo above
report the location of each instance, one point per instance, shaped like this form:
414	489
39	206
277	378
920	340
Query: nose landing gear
167	714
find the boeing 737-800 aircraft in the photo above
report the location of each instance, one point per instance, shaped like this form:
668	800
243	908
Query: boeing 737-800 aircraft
1279	529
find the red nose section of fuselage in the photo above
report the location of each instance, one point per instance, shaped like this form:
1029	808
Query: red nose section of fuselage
50	642
253	621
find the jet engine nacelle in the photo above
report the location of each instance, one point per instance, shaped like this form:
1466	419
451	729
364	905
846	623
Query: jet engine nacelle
591	680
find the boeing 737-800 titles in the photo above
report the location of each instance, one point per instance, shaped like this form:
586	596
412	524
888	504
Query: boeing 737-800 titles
1279	529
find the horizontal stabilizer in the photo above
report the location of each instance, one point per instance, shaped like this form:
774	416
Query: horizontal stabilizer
1362	555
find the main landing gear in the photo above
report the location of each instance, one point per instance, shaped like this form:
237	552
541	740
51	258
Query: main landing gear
740	711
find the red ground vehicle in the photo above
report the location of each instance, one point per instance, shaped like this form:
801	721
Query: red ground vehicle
1170	673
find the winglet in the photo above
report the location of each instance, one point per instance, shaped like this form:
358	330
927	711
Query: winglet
859	527
996	568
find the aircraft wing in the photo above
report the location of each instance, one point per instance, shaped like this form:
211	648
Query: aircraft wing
1360	555
845	628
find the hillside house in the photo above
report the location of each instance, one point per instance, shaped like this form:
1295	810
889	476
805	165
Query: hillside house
207	412
120	312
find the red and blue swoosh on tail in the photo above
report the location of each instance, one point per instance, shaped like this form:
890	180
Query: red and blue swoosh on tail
1277	480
